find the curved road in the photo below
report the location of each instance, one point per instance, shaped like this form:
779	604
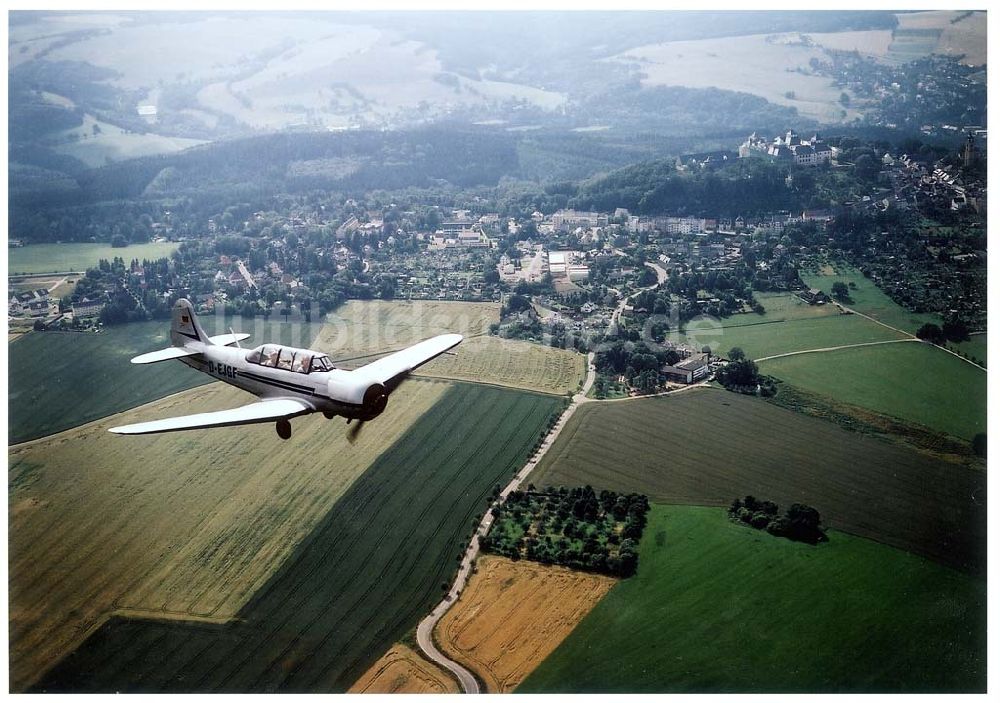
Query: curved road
425	630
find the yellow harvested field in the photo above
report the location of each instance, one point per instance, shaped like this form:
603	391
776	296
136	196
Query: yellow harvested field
359	330
513	614
401	670
182	525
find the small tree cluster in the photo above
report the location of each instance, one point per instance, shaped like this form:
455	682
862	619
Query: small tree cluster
742	376
800	522
576	527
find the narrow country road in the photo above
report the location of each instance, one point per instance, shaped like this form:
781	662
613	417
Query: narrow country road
425	630
842	346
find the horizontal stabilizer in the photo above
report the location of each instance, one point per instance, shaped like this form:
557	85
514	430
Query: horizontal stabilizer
264	411
164	355
224	340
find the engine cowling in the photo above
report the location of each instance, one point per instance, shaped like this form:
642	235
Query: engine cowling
375	400
362	398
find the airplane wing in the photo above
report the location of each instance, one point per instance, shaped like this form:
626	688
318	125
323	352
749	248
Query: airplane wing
389	367
164	354
264	411
224	340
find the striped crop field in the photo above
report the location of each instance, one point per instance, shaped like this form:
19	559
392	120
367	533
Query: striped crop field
181	525
709	446
358	582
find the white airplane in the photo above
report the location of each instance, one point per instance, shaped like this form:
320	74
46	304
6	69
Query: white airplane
289	381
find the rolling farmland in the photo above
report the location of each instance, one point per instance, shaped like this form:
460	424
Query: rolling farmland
87	376
513	614
708	446
371	567
177	525
722	608
47	258
914	382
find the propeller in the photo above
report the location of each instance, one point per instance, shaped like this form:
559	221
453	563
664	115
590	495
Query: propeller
354	430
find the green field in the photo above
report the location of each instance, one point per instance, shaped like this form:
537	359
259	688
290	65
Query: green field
869	299
706	447
788	324
975	348
914	382
358	583
47	258
59	380
718	607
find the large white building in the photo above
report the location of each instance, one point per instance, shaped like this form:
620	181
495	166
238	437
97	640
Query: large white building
569	264
804	152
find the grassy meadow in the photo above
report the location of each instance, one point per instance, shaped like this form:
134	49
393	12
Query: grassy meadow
975	348
47	258
867	298
914	382
788	324
364	576
718	607
706	447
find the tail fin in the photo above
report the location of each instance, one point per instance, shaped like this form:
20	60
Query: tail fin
184	325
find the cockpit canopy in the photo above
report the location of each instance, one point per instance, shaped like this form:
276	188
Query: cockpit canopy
289	358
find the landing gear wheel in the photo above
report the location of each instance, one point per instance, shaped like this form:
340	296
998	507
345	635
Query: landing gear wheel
284	428
329	414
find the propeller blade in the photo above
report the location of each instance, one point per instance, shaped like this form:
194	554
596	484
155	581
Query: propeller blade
354	430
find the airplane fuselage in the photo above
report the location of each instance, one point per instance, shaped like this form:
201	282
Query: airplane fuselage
230	365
